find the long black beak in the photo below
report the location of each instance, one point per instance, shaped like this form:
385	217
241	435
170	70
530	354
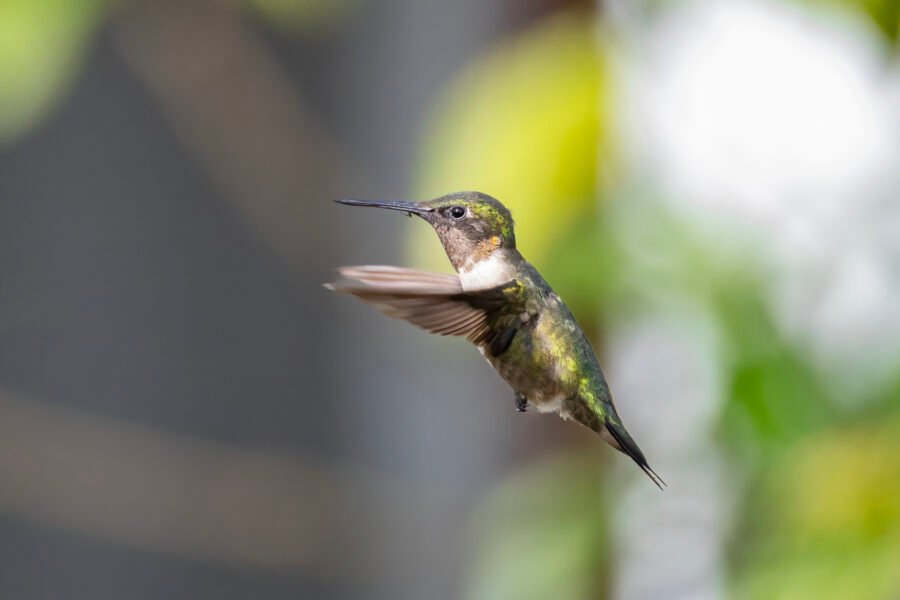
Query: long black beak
408	207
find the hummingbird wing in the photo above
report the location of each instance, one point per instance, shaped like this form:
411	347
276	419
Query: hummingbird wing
433	301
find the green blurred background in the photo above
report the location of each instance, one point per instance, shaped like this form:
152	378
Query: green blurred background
712	186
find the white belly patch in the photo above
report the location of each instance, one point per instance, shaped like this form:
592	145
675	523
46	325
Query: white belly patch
554	404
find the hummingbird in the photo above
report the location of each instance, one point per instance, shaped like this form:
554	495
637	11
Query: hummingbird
498	301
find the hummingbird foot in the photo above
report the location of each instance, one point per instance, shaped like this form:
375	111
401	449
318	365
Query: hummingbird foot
521	402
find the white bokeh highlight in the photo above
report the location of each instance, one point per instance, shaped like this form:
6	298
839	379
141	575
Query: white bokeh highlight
775	129
780	126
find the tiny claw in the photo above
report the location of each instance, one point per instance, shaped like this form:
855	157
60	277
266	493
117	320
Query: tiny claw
521	403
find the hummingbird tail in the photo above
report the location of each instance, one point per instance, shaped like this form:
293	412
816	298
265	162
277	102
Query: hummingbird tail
628	446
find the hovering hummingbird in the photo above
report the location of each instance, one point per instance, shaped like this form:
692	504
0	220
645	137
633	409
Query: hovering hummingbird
500	303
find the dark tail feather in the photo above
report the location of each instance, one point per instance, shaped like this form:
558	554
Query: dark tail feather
629	447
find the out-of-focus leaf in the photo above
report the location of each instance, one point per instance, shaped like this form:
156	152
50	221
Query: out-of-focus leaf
307	16
525	123
885	14
647	259
541	535
774	400
42	43
827	523
775	397
846	480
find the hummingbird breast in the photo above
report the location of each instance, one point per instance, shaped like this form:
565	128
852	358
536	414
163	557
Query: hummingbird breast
550	360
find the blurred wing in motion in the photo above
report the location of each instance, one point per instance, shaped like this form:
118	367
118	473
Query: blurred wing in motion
433	301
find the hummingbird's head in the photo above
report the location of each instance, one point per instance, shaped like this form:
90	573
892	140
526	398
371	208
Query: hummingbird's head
470	225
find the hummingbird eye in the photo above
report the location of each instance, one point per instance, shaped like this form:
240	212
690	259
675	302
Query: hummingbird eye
458	212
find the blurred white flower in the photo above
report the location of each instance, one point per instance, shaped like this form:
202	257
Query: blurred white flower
844	308
782	127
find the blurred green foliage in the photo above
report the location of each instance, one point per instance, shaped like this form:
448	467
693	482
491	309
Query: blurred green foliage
523	123
819	479
884	14
560	551
315	17
826	523
42	44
